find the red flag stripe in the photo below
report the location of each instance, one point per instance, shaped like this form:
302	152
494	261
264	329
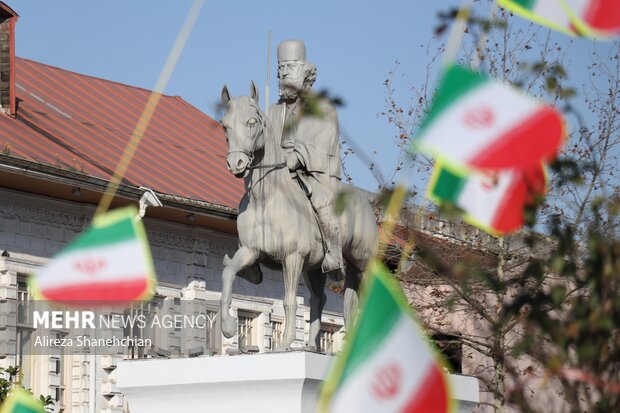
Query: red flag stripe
604	15
431	396
100	291
536	139
521	192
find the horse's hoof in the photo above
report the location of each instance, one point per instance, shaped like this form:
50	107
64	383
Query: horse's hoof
229	326
312	348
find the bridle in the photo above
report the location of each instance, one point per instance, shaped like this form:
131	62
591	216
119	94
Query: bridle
262	121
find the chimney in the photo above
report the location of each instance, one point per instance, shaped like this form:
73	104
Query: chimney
7	59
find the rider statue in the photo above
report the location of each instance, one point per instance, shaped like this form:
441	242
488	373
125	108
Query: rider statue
307	127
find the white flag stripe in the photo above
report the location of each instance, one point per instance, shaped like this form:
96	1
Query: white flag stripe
552	11
579	7
508	108
481	197
120	261
402	347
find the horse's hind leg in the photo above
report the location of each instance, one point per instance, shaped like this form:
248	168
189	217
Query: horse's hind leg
292	270
351	287
315	281
243	258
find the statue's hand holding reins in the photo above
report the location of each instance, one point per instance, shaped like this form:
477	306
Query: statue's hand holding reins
292	161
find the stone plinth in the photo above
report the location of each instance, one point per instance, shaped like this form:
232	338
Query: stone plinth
260	383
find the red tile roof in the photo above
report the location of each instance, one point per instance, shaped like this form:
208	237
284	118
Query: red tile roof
83	123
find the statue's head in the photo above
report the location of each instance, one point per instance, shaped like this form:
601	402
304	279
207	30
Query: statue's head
294	72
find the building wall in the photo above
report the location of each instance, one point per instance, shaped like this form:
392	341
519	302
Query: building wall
188	262
428	294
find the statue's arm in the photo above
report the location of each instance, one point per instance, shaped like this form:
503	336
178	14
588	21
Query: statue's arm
315	156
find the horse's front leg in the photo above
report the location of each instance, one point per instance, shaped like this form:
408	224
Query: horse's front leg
243	258
292	270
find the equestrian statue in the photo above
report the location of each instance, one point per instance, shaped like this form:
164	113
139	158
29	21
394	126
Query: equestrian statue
291	166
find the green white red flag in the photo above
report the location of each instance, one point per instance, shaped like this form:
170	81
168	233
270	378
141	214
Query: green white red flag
20	401
476	122
593	18
550	13
110	263
493	201
387	365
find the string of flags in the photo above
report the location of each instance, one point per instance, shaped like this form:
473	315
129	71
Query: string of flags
491	142
387	364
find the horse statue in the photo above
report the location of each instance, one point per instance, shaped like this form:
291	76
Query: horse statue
278	227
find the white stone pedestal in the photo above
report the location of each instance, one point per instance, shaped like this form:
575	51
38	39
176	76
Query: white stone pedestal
259	383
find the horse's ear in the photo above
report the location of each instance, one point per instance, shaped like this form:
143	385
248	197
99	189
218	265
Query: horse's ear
225	95
253	92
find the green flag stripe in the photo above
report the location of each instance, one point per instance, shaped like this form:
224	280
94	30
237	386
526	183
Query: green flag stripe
21	408
448	186
376	320
455	82
527	4
119	231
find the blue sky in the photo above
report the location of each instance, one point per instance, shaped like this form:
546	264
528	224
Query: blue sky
354	45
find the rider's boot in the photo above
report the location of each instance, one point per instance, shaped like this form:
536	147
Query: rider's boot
332	263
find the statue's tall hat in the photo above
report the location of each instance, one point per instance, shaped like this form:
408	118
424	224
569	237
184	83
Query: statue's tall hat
291	50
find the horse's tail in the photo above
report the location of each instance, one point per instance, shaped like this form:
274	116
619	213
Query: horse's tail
362	234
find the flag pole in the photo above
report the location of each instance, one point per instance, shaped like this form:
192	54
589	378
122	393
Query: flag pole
457	32
267	83
477	60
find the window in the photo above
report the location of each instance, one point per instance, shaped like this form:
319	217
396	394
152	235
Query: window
214	338
452	350
24	328
55	365
245	329
327	337
57	393
23	300
277	332
136	313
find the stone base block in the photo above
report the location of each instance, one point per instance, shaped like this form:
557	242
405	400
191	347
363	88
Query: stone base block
260	383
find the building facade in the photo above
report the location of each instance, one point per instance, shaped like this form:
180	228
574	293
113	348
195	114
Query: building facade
188	262
61	136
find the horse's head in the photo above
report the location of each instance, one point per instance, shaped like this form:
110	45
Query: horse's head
244	124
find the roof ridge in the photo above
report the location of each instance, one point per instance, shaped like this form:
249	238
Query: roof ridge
92	76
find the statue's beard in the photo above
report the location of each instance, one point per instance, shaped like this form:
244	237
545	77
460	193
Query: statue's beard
290	88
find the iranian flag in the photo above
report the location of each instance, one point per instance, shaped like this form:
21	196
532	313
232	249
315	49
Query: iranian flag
494	201
595	18
479	123
20	401
550	13
110	263
387	365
